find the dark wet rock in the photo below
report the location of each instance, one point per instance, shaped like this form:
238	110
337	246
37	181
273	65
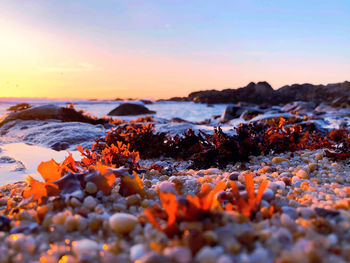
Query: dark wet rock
249	114
315	93
231	112
300	107
19	107
6	159
234	176
178	120
256	93
25	228
60	146
261	93
341	102
4	223
147	102
51	112
323	108
54	134
322	212
128	109
177	99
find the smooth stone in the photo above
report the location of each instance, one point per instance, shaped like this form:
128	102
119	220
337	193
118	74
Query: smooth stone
326	212
268	194
85	246
302	174
290	211
208	254
152	257
179	254
305	212
122	223
89	202
91	188
281	184
137	251
295	179
299	182
286	220
234	176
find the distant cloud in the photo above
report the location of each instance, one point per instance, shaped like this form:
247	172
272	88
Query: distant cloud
65	68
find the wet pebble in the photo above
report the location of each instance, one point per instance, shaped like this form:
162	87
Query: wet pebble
122	223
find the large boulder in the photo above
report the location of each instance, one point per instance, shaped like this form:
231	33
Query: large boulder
19	106
231	112
257	93
300	107
129	109
315	93
51	112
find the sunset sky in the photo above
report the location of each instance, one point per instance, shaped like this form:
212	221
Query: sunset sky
160	49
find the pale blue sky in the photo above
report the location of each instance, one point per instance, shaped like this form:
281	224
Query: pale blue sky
281	42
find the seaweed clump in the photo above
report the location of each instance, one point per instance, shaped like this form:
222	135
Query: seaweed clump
210	201
220	149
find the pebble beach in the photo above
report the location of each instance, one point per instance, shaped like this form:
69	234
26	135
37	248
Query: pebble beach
311	225
294	209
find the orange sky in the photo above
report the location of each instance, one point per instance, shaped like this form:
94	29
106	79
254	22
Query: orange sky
40	60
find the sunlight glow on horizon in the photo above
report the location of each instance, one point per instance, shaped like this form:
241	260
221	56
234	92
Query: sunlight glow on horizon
42	57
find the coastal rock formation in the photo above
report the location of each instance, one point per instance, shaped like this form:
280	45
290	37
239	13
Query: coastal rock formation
257	93
53	134
128	109
51	112
19	106
261	93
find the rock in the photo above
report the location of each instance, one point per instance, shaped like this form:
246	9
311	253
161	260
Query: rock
178	120
252	93
249	114
19	107
89	202
262	93
91	188
300	107
152	257
231	112
326	212
4	223
305	212
128	109
60	146
133	200
85	246
290	211
302	174
147	102
122	223
137	251
299	181
179	254
51	112
209	254
268	194
53	134
234	176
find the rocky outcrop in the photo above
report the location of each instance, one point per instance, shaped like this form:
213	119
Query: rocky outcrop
18	107
51	112
257	93
129	109
261	93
